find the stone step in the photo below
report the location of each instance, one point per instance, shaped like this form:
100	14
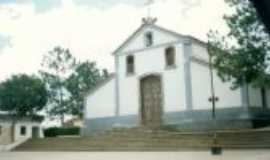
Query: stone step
145	140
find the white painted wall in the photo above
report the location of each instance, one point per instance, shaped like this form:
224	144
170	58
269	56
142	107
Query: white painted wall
199	51
159	38
6	127
255	97
227	96
28	125
101	103
147	62
5	135
201	86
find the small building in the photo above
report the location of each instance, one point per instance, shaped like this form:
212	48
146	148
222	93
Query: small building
24	129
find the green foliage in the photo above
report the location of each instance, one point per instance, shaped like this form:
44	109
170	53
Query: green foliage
58	64
68	81
61	131
241	55
85	77
23	95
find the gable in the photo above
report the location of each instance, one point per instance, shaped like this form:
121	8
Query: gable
137	40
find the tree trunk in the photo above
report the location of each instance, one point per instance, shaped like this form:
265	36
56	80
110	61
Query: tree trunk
61	105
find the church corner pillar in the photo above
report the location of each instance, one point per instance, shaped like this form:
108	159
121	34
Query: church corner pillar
245	95
187	48
117	93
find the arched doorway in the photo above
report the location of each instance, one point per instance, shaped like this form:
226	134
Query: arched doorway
151	101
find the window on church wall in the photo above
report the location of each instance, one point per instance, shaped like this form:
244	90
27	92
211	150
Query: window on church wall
130	65
148	39
170	56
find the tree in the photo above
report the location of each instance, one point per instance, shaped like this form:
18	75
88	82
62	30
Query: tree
58	64
22	96
242	56
85	76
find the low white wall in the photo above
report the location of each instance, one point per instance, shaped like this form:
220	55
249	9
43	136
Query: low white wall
101	103
5	136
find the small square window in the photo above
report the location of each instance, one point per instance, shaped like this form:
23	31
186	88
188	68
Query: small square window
23	130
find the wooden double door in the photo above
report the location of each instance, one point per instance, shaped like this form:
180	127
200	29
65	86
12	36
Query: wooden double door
151	101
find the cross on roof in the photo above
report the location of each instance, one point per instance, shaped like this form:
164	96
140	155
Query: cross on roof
149	19
149	4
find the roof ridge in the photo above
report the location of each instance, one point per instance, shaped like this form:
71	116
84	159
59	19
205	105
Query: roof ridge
100	84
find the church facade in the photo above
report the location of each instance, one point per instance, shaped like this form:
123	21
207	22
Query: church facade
162	78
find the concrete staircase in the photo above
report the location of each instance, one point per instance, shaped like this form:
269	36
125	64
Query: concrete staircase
149	140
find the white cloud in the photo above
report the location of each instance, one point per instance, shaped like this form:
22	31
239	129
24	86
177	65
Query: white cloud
92	33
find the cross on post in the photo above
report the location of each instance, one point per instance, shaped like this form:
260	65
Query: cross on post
149	4
149	19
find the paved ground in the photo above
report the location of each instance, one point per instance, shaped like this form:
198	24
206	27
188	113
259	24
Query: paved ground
199	155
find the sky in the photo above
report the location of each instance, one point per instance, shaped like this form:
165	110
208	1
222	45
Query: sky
91	29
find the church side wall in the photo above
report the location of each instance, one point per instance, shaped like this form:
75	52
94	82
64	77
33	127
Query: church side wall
255	97
101	103
227	96
268	98
147	62
201	87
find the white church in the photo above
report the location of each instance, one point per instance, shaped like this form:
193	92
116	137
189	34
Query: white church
162	78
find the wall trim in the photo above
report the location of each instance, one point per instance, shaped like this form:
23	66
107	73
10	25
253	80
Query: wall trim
199	61
187	74
117	93
245	96
84	112
136	51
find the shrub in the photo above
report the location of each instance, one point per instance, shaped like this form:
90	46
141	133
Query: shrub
61	131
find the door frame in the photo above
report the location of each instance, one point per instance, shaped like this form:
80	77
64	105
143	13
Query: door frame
35	132
140	78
